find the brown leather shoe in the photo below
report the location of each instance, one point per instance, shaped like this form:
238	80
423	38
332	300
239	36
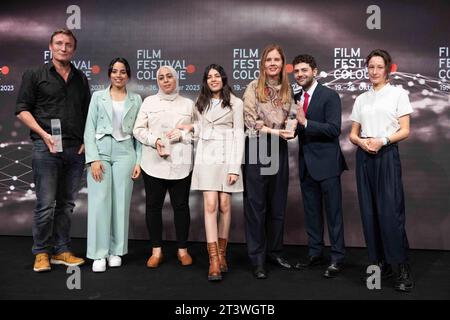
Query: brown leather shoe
154	261
41	263
66	258
185	259
222	255
214	264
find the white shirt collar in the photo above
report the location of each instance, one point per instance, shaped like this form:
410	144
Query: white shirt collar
311	89
387	85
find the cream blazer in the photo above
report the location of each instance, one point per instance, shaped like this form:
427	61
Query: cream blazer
220	148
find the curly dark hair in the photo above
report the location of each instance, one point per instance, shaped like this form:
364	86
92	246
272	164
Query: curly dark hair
305	58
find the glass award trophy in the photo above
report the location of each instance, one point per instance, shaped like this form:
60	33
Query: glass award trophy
57	134
165	129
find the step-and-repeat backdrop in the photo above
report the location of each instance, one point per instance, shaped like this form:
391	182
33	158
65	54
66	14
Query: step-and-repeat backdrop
191	34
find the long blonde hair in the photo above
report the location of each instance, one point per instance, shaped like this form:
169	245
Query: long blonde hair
285	92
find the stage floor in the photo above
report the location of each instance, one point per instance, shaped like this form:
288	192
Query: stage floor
430	270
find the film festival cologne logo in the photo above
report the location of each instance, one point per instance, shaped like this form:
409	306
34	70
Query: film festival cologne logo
245	67
245	62
349	72
444	68
89	68
148	61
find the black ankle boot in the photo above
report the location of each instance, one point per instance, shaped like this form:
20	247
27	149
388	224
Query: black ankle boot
386	270
404	282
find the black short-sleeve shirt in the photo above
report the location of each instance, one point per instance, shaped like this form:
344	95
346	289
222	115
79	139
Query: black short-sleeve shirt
46	95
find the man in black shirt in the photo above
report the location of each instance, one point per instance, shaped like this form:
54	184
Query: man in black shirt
58	91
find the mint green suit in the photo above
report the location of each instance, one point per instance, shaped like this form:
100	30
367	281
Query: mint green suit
109	200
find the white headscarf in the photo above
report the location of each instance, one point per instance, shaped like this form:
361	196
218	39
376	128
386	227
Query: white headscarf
174	94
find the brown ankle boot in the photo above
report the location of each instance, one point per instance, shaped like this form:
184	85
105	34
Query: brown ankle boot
222	255
214	264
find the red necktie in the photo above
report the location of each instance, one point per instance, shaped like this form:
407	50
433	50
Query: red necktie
305	102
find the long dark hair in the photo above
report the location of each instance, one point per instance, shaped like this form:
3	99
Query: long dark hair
205	96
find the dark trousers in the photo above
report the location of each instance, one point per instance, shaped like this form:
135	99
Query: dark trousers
265	198
382	204
155	193
315	194
57	179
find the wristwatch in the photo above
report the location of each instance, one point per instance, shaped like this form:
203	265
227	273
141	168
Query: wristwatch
388	141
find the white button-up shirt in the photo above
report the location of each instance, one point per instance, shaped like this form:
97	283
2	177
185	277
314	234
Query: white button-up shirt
378	111
310	94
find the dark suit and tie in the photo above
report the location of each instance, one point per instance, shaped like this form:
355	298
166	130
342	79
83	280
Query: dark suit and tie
321	163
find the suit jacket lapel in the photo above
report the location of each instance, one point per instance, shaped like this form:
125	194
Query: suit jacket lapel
129	103
216	113
107	103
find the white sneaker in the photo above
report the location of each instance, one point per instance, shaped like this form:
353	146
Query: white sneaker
99	265
114	261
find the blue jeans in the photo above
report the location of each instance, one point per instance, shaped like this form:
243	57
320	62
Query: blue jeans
57	179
